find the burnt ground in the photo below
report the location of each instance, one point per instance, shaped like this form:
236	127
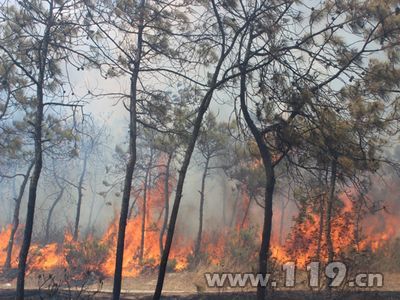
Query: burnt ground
184	285
277	295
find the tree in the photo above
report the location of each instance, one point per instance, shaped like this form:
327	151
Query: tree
34	38
149	25
146	187
225	43
89	141
15	221
56	201
283	95
211	143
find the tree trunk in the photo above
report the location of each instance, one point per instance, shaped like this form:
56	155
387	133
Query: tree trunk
246	212
147	182
331	198
234	210
201	212
53	206
179	188
38	161
80	196
224	199
94	193
282	220
358	210
321	225
15	220
130	167
12	200
328	219
269	186
205	103
166	203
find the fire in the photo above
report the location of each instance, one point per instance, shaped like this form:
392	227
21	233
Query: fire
303	244
4	238
47	258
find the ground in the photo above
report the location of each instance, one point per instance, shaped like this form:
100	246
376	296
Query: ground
190	285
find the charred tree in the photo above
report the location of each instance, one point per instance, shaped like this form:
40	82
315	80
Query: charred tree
147	183
38	160
51	211
166	202
15	220
80	195
197	249
269	186
130	166
329	210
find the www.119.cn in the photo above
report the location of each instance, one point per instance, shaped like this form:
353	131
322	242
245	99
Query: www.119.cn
336	275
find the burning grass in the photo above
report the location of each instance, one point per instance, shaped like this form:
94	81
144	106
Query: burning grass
369	243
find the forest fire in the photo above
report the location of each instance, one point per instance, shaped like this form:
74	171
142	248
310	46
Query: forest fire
303	244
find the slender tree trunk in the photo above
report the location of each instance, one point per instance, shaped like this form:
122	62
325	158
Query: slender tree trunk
246	212
205	103
270	182
321	225
12	199
89	226
224	198
147	182
15	220
357	211
201	212
51	211
23	256
178	196
329	207
166	203
80	196
234	210
38	162
179	188
282	221
130	167
328	219
131	208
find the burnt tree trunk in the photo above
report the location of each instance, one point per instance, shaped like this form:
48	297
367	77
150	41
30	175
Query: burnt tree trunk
38	160
224	199
166	203
282	220
234	210
358	211
321	225
329	208
323	182
51	211
147	182
130	166
80	196
246	212
201	212
205	103
269	186
94	193
328	218
15	220
179	187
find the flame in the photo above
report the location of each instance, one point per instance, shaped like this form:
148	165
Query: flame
4	238
301	244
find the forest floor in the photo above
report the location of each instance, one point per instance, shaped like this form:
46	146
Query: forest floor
186	285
